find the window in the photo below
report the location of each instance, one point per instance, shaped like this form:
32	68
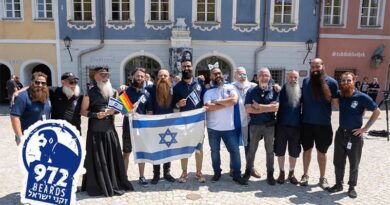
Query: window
246	15
159	10
82	10
283	12
159	14
13	9
284	15
120	10
370	13
333	12
277	75
44	9
206	10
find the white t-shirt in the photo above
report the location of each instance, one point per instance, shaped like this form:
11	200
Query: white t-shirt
223	119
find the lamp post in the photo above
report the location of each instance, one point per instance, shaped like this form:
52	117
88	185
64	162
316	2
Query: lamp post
309	46
67	43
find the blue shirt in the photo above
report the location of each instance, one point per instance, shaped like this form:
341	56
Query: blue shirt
183	90
317	111
287	113
153	106
352	108
261	97
142	107
30	112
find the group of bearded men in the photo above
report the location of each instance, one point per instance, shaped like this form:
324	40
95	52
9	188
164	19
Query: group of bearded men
291	116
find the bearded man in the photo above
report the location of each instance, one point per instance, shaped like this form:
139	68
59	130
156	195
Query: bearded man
242	85
31	105
135	91
319	93
220	101
288	126
261	102
106	174
66	100
161	103
349	140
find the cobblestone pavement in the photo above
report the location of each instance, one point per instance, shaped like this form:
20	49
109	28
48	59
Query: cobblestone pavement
373	184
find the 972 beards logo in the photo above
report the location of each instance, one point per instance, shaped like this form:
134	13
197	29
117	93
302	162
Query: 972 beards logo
51	158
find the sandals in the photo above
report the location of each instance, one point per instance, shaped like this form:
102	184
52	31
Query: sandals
183	178
199	176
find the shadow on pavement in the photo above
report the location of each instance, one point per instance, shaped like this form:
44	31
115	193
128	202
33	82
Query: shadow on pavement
12	198
4	110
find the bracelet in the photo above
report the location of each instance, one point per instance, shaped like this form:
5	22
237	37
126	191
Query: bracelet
17	138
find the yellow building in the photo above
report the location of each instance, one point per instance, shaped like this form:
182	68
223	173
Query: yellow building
28	41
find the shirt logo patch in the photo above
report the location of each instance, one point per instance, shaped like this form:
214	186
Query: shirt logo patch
198	88
354	104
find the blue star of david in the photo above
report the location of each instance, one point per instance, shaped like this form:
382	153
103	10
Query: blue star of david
168	133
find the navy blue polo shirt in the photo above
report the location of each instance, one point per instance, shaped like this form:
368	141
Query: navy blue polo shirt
183	90
262	97
287	113
134	96
352	108
317	111
30	112
153	106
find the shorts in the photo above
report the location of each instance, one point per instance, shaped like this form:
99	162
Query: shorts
127	147
321	135
288	134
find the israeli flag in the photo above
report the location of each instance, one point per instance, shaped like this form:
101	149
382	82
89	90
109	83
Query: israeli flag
158	139
115	104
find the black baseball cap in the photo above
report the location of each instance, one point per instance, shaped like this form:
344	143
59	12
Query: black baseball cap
69	76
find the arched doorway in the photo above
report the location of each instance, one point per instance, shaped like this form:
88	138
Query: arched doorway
5	75
203	69
44	69
151	65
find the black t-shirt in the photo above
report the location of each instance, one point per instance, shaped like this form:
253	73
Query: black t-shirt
64	108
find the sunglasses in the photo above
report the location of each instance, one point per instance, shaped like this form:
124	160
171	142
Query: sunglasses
72	82
40	83
242	75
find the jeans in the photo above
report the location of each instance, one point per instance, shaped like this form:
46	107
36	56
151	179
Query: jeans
230	139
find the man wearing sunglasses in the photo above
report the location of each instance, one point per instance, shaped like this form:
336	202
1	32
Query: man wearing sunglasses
31	105
66	100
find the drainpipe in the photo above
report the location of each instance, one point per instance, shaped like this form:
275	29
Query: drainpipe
90	50
265	29
318	2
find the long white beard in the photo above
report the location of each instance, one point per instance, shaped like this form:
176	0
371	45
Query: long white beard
293	94
69	92
105	89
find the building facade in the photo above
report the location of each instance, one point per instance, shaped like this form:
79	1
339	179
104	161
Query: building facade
28	40
355	36
125	34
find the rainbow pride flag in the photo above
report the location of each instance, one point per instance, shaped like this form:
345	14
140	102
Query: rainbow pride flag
127	104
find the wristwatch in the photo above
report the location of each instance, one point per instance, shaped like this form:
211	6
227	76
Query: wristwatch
17	138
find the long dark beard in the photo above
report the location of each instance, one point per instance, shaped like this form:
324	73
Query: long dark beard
163	93
319	87
347	90
39	94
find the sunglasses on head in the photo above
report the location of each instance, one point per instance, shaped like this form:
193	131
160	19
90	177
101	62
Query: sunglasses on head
72	82
40	83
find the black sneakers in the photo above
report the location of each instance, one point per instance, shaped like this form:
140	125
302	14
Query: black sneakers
270	178
169	178
216	177
351	192
240	180
336	188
